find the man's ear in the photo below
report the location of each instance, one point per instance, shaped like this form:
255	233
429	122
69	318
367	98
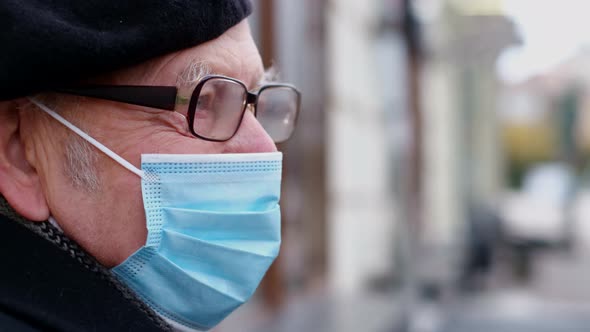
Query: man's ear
19	182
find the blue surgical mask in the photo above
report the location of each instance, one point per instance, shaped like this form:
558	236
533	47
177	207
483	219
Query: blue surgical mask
213	225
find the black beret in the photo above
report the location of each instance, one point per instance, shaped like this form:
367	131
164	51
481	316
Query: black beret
47	43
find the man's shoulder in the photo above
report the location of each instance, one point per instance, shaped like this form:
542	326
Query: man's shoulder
9	322
44	285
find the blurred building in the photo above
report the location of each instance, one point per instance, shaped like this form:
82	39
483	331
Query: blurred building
463	164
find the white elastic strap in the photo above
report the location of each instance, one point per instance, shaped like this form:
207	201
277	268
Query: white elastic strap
89	139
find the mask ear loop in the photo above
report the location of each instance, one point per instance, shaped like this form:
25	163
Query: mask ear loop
89	139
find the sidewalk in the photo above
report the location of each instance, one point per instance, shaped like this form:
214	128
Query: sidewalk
367	312
556	299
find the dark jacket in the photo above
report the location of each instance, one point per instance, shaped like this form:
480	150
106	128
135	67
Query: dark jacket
48	283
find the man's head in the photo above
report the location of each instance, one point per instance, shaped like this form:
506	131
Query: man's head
47	170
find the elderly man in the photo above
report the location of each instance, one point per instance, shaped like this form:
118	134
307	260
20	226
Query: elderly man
138	171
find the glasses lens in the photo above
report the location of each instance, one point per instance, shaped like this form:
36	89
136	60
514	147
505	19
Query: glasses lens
219	108
277	111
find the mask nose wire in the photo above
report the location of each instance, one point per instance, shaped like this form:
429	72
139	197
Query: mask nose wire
89	139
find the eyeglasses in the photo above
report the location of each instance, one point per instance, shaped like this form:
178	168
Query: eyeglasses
216	107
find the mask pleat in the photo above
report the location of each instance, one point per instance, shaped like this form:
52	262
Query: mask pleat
216	226
206	303
226	197
212	258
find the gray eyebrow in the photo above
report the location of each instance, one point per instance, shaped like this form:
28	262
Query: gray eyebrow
193	73
197	69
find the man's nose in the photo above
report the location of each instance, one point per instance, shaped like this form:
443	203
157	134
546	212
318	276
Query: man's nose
250	138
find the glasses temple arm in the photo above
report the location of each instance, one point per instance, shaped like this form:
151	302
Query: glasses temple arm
161	97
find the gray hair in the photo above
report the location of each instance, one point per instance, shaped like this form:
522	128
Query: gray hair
80	164
81	160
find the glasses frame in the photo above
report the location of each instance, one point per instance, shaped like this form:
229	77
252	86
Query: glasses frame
166	98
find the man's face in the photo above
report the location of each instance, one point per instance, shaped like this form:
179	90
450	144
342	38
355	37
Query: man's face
108	219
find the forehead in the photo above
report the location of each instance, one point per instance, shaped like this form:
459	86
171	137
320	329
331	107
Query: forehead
233	54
